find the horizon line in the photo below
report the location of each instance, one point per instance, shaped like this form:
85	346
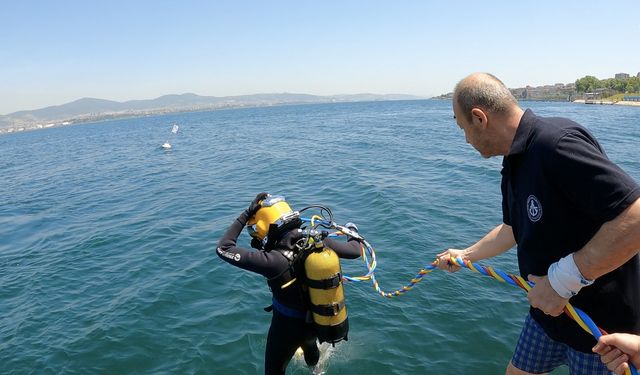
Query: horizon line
209	96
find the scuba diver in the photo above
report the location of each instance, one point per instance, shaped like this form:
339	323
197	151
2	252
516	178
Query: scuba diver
283	246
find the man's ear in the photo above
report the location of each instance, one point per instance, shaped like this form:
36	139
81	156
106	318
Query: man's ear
478	117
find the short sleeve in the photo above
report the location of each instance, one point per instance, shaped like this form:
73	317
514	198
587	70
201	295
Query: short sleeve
506	216
579	168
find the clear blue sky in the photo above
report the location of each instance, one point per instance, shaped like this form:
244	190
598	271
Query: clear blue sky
53	52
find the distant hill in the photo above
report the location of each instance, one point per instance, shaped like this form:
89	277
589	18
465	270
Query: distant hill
92	109
75	108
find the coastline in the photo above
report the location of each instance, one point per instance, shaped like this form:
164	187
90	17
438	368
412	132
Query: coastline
606	102
30	122
135	114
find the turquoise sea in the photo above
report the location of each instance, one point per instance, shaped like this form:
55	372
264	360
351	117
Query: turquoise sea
107	242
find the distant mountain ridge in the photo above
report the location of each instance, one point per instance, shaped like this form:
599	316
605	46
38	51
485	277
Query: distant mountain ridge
90	109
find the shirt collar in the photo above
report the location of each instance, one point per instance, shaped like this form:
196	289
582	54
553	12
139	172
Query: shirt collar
523	133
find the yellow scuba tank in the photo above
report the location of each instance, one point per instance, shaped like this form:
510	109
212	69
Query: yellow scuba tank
324	281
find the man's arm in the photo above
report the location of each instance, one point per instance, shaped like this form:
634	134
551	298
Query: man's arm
614	244
496	242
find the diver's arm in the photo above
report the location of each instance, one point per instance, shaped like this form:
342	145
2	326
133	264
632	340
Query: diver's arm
230	237
256	261
496	242
351	249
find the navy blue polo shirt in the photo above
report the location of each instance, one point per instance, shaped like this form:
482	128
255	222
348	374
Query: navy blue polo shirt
558	188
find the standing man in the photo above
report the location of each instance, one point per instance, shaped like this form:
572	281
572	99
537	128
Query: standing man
574	216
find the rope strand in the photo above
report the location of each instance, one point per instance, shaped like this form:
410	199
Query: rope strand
369	258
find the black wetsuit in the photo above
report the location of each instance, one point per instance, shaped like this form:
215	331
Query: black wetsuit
289	327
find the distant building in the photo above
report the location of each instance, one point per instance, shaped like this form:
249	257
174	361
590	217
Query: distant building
622	76
638	75
592	97
595	97
555	92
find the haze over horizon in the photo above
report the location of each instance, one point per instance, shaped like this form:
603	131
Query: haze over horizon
55	53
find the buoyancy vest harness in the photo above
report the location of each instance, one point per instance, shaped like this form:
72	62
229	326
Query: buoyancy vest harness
318	269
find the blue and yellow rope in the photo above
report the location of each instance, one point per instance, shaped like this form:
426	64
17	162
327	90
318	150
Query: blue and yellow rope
369	258
579	316
371	263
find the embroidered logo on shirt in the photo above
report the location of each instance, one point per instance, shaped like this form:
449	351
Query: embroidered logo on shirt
534	208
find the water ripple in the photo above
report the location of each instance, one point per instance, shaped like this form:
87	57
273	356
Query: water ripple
107	242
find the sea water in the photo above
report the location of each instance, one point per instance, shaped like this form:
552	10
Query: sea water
107	241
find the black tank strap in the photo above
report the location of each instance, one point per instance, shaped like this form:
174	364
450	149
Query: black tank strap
328	310
330	283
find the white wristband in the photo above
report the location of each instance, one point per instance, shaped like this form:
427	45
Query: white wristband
565	277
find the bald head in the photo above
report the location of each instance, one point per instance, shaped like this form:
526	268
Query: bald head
485	91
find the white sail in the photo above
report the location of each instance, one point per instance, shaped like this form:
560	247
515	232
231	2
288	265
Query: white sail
174	130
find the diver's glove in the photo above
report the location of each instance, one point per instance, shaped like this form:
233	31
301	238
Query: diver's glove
255	204
351	226
351	230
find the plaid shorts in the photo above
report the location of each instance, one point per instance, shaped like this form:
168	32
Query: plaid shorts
537	353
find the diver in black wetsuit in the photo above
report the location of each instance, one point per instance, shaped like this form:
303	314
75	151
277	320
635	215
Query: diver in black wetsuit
275	259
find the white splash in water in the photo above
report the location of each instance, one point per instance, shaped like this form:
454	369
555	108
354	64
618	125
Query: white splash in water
326	351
